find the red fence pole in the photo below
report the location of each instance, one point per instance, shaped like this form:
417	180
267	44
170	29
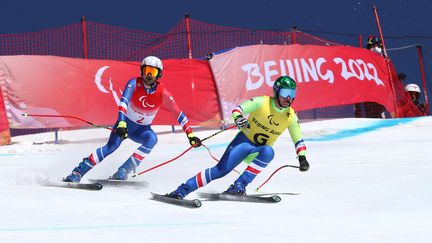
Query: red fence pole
84	32
188	34
294	35
380	31
387	61
420	57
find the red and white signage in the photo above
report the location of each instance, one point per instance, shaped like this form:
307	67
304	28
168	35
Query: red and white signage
326	75
91	90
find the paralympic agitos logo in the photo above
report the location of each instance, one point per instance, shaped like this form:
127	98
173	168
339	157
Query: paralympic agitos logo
271	121
98	81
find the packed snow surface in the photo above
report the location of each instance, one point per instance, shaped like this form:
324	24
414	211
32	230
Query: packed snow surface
369	181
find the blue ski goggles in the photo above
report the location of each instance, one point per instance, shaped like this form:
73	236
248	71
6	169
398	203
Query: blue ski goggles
285	93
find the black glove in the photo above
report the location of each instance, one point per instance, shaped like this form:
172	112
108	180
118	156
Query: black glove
304	165
193	140
241	122
122	130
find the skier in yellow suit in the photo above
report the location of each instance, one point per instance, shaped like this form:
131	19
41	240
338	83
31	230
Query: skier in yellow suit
268	118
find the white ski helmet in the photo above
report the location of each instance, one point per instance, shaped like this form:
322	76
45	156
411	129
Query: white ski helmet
153	62
412	88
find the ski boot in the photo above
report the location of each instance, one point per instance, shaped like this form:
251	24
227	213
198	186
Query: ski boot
79	171
238	189
180	193
121	174
124	170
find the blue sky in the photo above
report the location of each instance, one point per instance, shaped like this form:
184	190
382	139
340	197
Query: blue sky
347	18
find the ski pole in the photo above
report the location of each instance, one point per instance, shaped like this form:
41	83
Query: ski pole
65	116
284	166
216	133
180	155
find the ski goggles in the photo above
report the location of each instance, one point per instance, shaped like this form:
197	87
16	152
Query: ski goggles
285	93
150	70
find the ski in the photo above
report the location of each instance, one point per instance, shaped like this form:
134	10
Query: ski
255	198
74	185
192	203
112	182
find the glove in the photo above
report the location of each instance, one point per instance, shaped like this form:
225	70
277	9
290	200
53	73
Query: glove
193	140
122	130
304	165
241	122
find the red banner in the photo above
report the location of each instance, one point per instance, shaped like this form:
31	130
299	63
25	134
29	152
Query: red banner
91	90
326	75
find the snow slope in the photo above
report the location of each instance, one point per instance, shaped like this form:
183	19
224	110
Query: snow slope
370	181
